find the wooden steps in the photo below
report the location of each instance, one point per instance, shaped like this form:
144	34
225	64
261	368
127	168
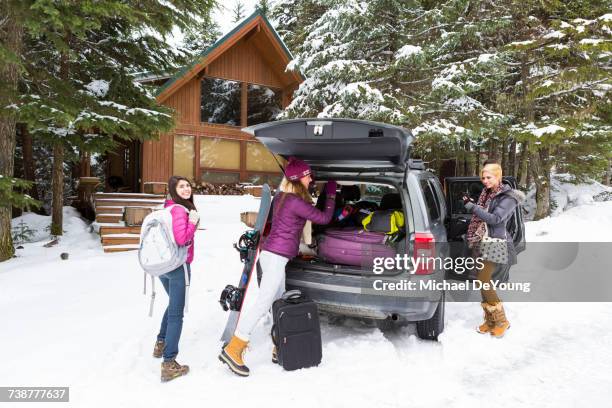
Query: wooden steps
138	196
120	239
110	209
122	202
110	218
119	229
114	234
120	248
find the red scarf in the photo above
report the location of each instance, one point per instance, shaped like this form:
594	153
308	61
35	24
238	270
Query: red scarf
476	229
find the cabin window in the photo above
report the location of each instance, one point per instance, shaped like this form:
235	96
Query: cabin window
258	158
220	177
271	179
263	104
220	101
217	153
184	156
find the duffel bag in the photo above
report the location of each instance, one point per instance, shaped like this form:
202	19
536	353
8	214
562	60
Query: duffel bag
353	246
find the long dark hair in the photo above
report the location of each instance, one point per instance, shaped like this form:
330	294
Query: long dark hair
172	183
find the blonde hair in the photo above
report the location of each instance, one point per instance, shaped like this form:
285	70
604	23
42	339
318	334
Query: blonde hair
297	188
493	168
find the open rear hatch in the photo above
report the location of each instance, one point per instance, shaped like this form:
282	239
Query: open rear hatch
338	144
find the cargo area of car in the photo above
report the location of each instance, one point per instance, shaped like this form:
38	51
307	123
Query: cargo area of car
361	230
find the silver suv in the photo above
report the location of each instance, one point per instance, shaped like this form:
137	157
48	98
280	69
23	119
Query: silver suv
354	151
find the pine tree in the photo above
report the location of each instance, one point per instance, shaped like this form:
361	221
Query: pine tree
11	41
565	76
526	83
292	17
238	11
345	58
202	36
78	61
263	6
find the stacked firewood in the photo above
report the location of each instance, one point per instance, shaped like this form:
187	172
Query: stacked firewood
219	189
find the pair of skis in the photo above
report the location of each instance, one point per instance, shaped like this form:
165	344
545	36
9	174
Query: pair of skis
249	245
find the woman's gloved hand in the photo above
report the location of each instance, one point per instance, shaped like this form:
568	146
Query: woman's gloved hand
330	188
468	203
194	217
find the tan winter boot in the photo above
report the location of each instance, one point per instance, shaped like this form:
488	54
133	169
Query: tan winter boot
232	356
274	355
171	369
487	326
158	350
498	317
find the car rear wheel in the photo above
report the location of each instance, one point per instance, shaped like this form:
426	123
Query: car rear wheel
431	328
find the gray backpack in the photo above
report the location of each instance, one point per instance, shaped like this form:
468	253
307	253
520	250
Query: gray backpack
159	253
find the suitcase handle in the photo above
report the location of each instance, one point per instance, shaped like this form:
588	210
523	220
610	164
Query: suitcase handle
292	296
274	340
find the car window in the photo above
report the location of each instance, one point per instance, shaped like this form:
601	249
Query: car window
375	193
430	201
437	188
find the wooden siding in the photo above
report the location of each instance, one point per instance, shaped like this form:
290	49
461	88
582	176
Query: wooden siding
186	102
157	159
244	62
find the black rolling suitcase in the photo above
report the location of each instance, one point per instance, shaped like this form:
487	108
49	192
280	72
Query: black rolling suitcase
296	332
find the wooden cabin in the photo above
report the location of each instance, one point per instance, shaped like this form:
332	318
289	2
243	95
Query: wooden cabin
239	81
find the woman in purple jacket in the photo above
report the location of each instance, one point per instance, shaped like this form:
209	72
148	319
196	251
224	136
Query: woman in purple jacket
291	209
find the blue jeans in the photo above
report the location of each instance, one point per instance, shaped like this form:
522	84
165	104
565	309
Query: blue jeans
172	322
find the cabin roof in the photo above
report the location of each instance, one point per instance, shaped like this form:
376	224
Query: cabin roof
257	19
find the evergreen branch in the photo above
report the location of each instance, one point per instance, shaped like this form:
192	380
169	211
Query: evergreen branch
583	86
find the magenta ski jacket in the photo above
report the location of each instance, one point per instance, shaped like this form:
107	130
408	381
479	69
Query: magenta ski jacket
288	222
184	231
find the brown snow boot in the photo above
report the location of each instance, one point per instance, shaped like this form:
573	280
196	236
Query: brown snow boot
274	355
488	323
232	356
498	317
171	369
158	350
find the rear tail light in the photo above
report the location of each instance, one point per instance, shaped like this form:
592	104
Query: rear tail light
424	248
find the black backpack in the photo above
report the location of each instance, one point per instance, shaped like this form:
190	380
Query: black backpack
296	332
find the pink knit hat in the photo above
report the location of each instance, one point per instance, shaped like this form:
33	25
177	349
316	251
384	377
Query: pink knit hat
296	169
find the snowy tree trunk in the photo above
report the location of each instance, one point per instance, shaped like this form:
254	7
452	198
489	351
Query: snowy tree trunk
57	187
493	152
512	159
540	169
57	172
467	168
504	156
28	160
11	37
523	166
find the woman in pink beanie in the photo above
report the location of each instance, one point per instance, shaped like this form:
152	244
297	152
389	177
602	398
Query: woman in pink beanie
292	207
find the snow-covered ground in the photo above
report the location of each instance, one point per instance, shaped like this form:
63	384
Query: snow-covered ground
83	323
566	194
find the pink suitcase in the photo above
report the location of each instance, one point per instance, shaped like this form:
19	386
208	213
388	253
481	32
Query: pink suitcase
353	246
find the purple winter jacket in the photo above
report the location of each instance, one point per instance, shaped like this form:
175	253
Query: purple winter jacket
288	222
